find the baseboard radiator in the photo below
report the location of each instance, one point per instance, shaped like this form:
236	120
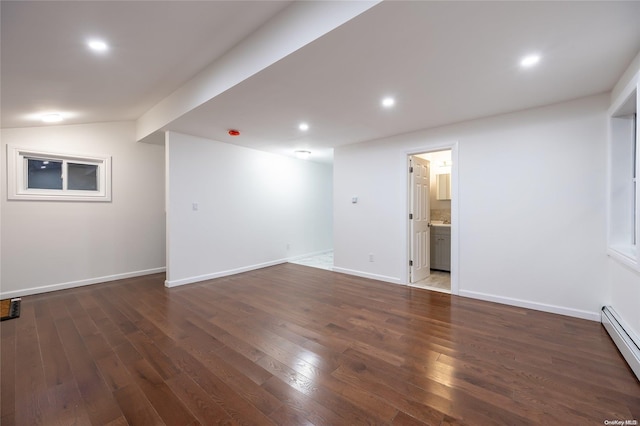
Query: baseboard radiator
627	342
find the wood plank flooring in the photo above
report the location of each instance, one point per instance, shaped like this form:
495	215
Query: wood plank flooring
293	345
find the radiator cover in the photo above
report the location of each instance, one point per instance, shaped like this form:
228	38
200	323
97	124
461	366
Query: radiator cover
628	344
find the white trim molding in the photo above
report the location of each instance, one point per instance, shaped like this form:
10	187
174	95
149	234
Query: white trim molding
453	146
393	280
304	256
79	283
220	274
553	309
623	192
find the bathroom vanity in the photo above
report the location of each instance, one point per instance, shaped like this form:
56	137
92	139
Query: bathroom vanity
441	247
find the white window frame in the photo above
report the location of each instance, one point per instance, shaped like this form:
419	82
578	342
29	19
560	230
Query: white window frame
624	167
17	176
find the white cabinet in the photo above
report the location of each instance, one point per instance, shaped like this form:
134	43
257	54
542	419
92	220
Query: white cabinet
443	186
441	248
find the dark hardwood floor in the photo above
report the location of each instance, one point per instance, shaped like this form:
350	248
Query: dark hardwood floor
294	345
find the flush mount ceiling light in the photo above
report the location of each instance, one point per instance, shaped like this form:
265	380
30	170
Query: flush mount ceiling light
388	102
302	154
303	126
529	61
98	45
51	118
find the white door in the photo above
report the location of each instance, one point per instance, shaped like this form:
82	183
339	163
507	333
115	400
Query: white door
419	218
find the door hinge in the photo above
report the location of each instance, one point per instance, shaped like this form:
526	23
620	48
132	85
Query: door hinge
410	215
410	169
411	263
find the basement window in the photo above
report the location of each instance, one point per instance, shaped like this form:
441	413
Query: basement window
41	175
624	218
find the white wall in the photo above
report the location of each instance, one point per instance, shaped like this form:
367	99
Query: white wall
251	205
624	282
50	245
531	196
625	294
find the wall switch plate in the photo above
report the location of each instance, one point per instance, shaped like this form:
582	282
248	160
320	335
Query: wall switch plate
354	200
195	207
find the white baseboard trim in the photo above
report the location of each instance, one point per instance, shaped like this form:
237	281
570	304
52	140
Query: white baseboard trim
220	274
303	256
79	283
627	342
561	310
377	277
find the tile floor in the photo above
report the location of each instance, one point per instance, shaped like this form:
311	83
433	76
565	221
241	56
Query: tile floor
322	261
437	281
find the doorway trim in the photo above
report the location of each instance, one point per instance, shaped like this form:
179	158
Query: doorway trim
455	202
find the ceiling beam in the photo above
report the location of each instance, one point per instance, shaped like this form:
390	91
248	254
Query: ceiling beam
296	26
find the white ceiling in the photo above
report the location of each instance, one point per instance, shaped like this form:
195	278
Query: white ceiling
156	46
444	62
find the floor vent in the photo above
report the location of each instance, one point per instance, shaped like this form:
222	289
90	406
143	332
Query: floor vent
628	344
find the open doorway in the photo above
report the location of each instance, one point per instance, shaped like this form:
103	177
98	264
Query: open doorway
430	213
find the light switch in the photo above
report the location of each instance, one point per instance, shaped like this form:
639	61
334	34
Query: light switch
354	200
195	207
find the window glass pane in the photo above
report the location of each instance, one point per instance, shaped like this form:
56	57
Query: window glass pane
83	177
44	174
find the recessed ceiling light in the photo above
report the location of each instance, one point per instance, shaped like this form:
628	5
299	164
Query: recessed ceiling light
303	126
98	45
530	60
302	154
388	102
51	118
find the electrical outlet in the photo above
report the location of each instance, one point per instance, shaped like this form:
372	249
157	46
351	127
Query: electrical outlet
370	257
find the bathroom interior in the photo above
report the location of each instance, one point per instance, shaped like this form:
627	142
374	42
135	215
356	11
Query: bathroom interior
439	278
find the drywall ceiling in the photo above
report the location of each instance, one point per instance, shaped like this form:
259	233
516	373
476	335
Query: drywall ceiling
444	62
155	47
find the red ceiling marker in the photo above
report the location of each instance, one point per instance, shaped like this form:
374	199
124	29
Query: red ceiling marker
233	132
